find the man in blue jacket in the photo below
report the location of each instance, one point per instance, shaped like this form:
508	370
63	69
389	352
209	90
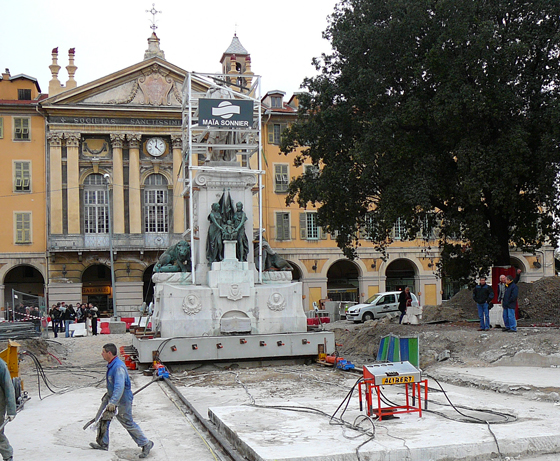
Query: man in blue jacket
119	397
508	303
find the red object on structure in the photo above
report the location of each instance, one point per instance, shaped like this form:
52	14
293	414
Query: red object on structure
105	330
497	271
129	321
316	321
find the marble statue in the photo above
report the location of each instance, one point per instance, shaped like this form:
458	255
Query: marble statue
177	258
239	220
220	136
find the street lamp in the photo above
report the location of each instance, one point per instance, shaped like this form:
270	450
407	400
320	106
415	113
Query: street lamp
110	216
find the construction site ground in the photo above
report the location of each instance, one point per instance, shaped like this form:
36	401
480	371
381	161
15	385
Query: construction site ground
516	376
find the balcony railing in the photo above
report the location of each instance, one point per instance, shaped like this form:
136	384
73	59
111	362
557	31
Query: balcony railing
121	242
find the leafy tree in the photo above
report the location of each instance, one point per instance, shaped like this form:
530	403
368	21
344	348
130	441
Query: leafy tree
438	112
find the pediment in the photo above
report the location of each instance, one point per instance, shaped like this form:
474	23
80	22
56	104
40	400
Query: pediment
151	83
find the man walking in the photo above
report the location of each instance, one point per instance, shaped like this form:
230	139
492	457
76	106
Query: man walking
482	295
7	405
508	303
120	397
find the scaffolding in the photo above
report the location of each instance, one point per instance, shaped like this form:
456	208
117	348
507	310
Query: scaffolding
245	142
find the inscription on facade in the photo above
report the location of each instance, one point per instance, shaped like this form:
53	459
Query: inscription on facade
113	121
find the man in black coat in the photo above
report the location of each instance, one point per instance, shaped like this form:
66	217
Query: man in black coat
482	295
508	303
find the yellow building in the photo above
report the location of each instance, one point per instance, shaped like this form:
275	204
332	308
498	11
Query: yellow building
319	263
22	190
113	143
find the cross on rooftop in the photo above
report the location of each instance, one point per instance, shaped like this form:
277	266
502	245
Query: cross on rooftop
153	12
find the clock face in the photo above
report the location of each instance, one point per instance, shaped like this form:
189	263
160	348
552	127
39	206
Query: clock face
156	146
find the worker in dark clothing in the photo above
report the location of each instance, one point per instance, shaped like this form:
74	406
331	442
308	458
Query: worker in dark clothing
508	303
482	295
7	409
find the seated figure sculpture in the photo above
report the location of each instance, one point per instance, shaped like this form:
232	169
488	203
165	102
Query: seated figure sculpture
177	258
272	261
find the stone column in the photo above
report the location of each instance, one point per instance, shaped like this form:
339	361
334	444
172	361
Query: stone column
134	198
73	181
55	182
179	185
117	141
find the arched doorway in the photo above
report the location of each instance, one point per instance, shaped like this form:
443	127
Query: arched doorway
23	285
148	290
296	273
96	288
342	281
400	274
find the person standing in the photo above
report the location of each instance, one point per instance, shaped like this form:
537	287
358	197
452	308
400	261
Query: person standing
502	290
508	303
482	295
55	318
69	317
8	409
94	314
405	300
119	395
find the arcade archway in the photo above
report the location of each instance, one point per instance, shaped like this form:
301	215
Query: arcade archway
23	285
96	288
342	281
400	274
296	273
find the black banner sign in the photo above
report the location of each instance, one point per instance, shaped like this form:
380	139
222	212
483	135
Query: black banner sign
225	113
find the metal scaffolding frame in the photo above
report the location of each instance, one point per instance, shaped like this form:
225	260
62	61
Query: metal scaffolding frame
193	146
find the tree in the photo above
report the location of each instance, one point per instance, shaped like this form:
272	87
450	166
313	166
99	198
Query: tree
441	113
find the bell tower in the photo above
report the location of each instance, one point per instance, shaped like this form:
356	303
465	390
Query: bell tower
236	61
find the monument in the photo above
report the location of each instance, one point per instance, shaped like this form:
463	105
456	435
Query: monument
212	302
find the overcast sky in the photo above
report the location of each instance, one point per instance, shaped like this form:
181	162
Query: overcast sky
109	35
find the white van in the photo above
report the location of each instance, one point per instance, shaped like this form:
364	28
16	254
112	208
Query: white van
378	306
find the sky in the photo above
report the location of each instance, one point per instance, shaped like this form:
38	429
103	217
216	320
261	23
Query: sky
281	37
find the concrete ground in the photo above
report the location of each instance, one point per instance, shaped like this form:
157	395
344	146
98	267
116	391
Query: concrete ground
51	428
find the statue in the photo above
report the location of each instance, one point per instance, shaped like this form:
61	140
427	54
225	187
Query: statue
177	258
272	261
214	243
220	136
239	220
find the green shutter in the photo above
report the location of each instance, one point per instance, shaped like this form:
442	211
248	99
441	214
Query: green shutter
1	127
303	226
270	129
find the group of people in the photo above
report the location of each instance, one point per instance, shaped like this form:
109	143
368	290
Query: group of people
62	315
483	294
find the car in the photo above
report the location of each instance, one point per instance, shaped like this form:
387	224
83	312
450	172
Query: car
378	306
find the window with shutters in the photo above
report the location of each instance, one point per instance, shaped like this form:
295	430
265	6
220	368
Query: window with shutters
24	95
21	129
276	102
275	131
309	230
156	209
96	205
22	227
1	127
281	178
283	226
22	176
